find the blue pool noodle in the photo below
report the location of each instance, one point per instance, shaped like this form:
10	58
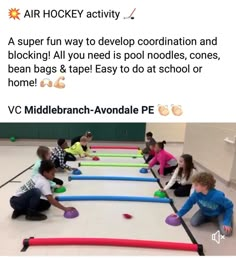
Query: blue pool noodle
118	178
112	198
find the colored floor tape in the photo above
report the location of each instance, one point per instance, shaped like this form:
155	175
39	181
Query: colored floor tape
112	198
115	178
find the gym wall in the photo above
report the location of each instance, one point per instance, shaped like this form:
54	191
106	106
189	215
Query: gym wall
205	141
170	132
101	131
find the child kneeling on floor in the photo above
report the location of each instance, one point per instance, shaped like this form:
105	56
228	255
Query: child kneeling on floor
77	148
167	161
36	195
181	180
212	203
44	153
77	139
59	156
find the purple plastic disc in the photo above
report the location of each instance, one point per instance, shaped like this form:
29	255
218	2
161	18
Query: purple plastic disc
173	220
71	214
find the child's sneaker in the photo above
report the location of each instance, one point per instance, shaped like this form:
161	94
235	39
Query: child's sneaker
35	216
16	214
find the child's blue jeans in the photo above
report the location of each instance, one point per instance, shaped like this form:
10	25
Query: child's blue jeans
199	218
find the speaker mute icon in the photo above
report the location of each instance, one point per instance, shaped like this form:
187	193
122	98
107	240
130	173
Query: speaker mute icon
217	237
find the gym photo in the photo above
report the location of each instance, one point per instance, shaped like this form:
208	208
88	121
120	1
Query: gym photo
118	189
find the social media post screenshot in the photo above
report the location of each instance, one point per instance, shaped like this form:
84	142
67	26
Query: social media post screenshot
108	62
65	183
117	128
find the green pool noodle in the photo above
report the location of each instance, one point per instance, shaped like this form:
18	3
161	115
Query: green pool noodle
61	189
117	155
160	194
100	164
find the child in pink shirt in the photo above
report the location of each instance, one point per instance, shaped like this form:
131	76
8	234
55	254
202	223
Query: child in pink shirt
167	161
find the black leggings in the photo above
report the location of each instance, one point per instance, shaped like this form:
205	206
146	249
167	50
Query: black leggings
68	157
181	190
58	181
168	170
149	158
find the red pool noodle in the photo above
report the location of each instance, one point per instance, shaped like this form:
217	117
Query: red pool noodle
115	147
111	242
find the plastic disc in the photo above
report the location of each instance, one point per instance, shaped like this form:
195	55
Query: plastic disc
143	171
61	189
173	220
160	194
71	214
76	172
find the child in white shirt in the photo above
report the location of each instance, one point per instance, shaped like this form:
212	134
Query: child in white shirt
181	180
36	196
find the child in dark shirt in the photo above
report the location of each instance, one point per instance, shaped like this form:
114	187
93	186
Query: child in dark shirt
147	150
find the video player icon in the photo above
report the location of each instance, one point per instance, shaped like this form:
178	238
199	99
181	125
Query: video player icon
217	237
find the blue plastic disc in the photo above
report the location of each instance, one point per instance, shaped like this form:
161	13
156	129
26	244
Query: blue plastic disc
76	172
143	171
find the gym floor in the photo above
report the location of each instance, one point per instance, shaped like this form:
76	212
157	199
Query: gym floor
99	218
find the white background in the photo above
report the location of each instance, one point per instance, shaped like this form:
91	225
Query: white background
205	97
